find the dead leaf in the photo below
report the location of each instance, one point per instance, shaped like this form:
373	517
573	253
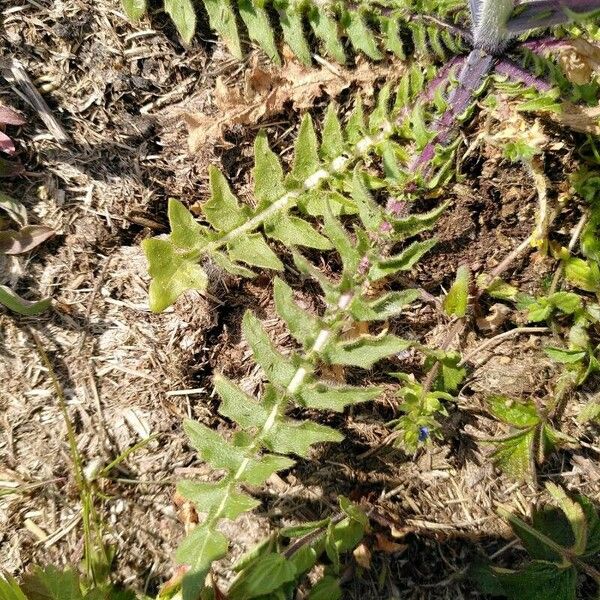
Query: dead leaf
265	92
384	544
23	240
362	555
580	60
497	316
584	119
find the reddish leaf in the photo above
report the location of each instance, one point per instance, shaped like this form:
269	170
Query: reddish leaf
10	117
27	238
6	144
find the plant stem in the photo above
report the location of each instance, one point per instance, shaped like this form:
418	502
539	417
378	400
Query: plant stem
86	493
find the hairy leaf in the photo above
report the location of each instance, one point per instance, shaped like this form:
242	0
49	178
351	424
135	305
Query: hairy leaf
457	300
404	261
302	325
366	350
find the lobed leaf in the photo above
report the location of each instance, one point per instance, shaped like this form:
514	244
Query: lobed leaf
365	351
172	273
404	261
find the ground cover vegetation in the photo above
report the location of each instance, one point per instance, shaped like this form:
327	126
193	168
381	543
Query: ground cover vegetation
352	214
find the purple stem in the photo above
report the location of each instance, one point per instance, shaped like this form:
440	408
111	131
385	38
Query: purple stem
476	67
546	13
428	94
542	45
517	73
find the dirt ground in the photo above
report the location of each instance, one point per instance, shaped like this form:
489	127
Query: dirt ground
119	90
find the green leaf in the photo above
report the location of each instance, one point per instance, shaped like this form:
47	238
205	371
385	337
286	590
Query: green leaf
325	397
172	273
513	412
342	243
457	300
184	16
515	455
575	515
267	574
221	260
582	274
292	27
212	448
590	412
51	584
222	211
356	128
566	302
297	437
253	250
369	211
361	36
278	369
15	209
267	173
207	496
326	29
306	152
320	202
295	231
259	28
404	261
387	306
201	547
186	232
9	588
14	302
564	356
326	588
302	325
539	580
134	9
221	455
413	224
366	350
239	406
223	20
304	559
332	144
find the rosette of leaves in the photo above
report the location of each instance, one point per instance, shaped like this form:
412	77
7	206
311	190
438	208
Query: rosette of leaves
563	542
267	436
368	28
530	440
234	235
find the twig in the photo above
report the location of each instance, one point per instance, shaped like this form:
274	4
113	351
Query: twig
498	339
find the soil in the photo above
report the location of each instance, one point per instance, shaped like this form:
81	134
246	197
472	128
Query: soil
119	90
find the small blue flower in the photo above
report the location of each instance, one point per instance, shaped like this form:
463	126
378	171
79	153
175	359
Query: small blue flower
423	433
